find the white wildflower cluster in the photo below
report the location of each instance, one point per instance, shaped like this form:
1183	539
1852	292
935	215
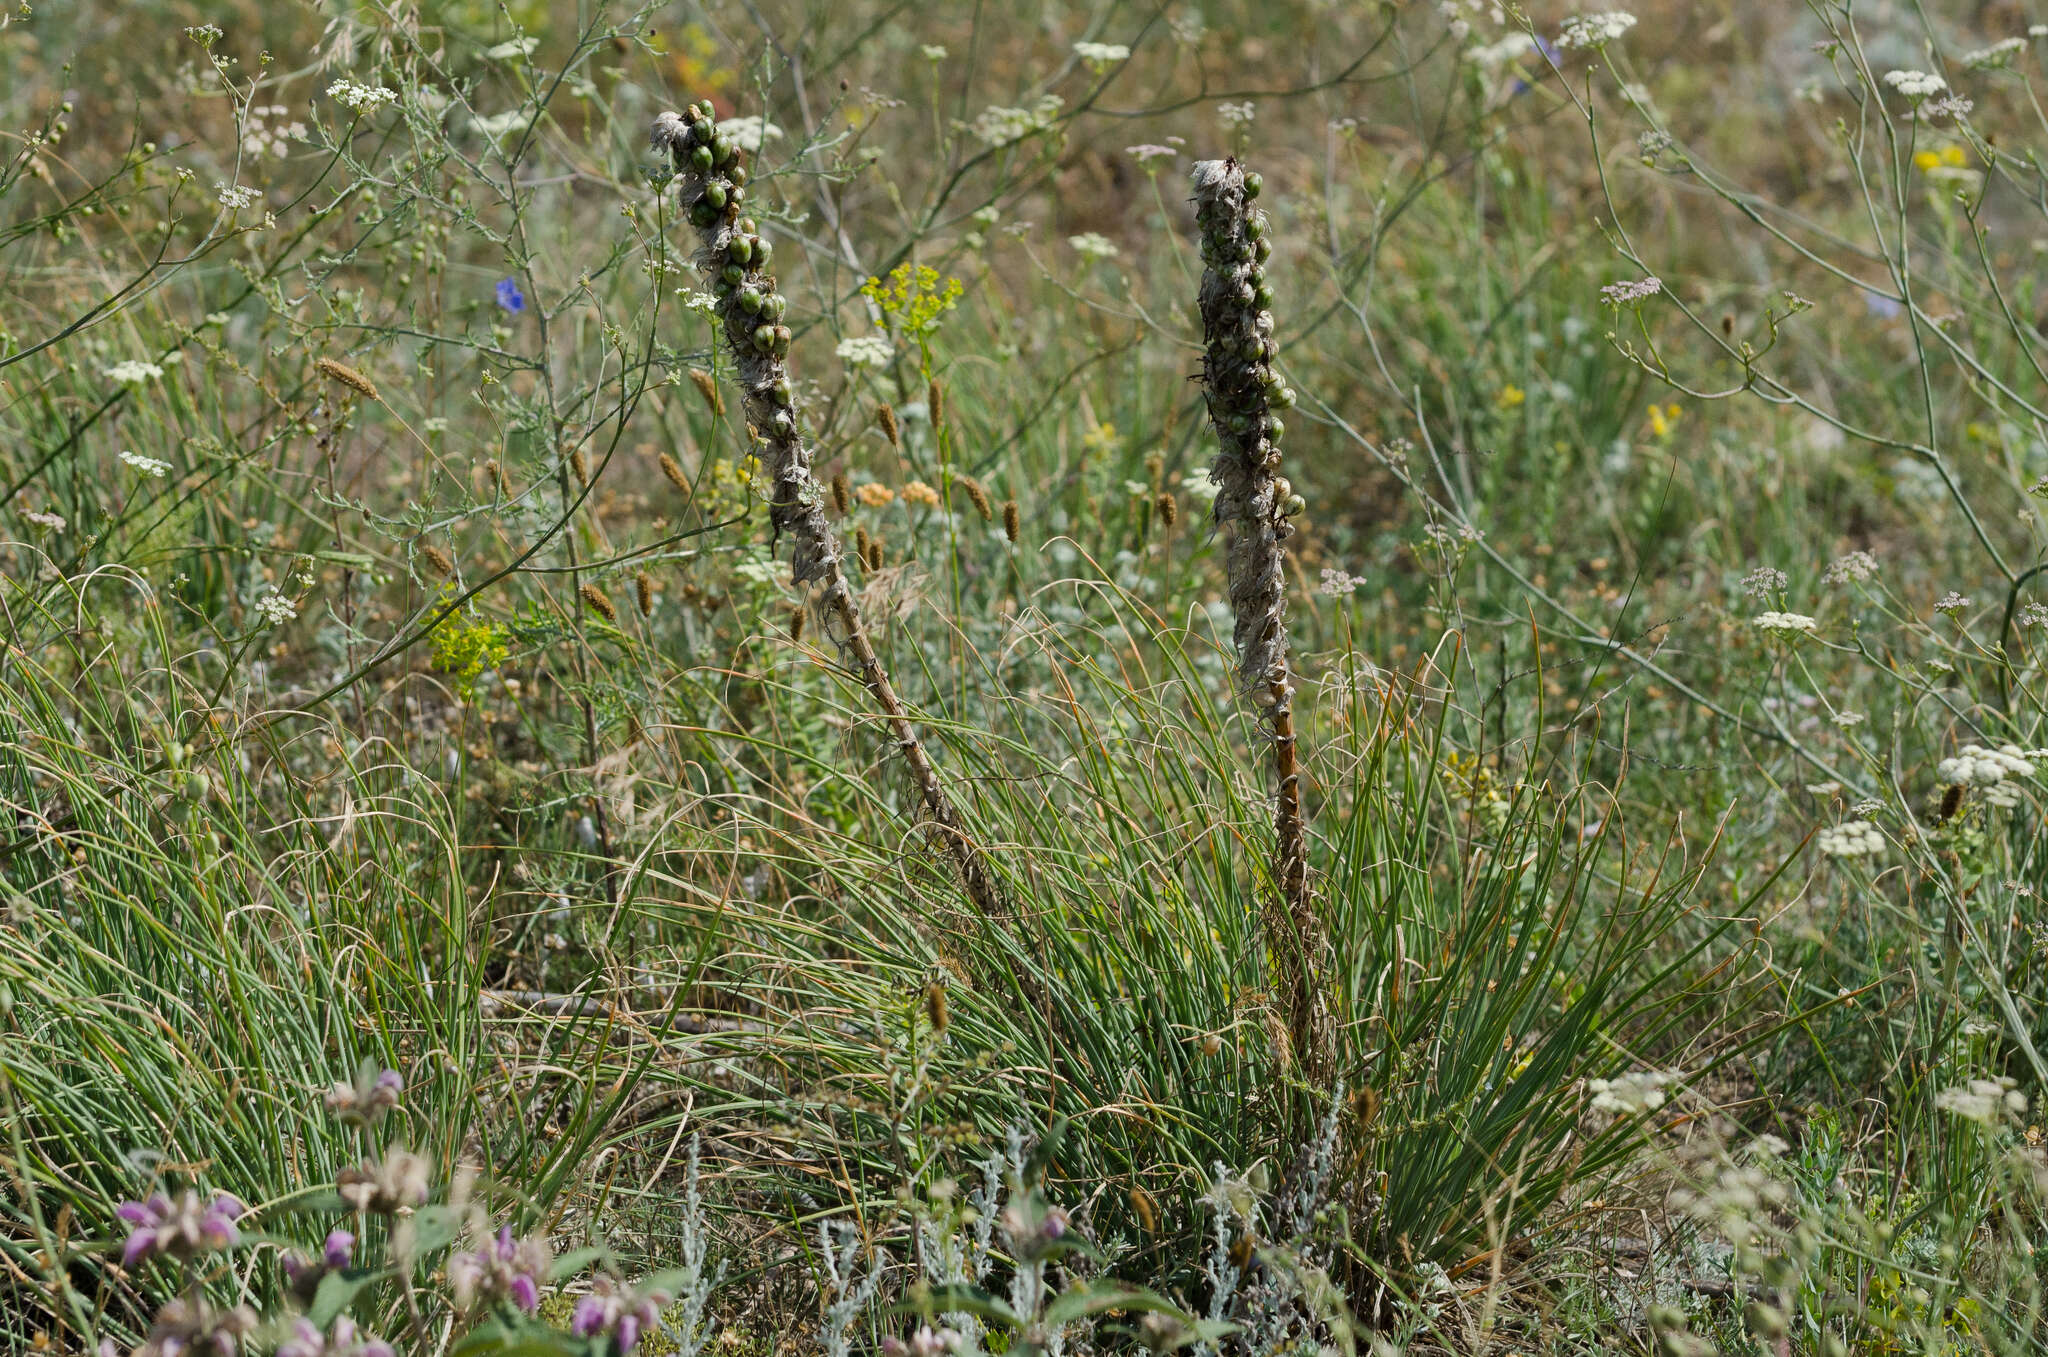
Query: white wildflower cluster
1915	84
1491	56
2033	615
1237	115
1854	568
1094	244
1988	1102
267	134
275	609
1150	152
1998	54
702	302
865	351
1339	582
1997	771
1201	485
1851	839
1594	30
1631	1095
1783	624
357	97
1737	1201
999	126
1952	602
148	466
1847	719
133	372
512	49
48	522
1102	55
1630	291
749	134
234	197
1764	581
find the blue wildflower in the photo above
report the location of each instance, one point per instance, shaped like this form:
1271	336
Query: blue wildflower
510	297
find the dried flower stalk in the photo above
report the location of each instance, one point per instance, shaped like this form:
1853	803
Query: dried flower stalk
1257	506
751	308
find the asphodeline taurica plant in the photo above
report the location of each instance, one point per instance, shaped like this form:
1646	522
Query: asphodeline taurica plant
1256	506
752	311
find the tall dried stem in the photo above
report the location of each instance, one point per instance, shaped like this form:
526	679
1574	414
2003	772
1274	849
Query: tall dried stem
750	307
1256	506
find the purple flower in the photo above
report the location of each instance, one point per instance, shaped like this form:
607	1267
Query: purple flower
181	1229
510	297
502	1269
191	1326
303	1278
364	1102
340	1341
620	1311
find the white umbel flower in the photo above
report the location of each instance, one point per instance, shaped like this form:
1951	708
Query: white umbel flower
275	609
1632	1094
1594	30
1984	1101
133	372
360	98
148	466
749	133
865	351
1102	54
1996	55
1851	839
1783	624
1976	766
1915	84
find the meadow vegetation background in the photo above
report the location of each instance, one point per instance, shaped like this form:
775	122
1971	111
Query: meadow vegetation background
457	895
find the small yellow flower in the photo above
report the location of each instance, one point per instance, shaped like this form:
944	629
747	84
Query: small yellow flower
1101	438
873	495
917	492
1510	396
1662	417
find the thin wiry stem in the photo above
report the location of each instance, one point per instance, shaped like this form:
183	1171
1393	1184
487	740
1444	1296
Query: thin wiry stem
1257	506
751	309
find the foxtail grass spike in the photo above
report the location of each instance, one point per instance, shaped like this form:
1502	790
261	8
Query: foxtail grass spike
1256	507
751	308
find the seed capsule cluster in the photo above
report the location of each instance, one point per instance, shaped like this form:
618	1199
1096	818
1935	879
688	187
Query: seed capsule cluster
738	259
1244	396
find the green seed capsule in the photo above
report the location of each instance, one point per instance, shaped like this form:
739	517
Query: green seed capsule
746	227
1263	250
1263	295
734	275
779	389
738	175
1295	507
1255	225
764	337
782	338
1282	488
722	148
773	305
700	160
739	195
1252	184
1285	400
763	251
714	193
702	214
1275	430
738	250
750	300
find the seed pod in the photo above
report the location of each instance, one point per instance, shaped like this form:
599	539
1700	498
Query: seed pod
643	589
842	495
885	415
595	597
1169	509
708	389
935	1004
796	622
579	464
978	496
860	544
935	400
674	471
1013	525
875	550
496	473
349	377
441	561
